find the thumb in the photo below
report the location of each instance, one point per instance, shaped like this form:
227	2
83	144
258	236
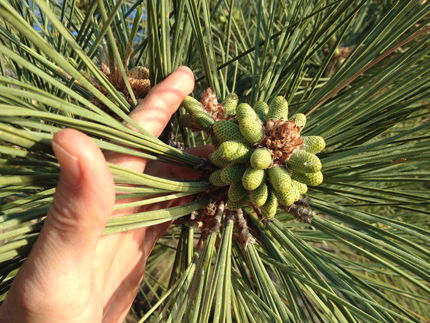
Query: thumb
83	202
58	267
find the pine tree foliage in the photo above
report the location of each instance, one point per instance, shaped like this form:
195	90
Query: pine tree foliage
356	250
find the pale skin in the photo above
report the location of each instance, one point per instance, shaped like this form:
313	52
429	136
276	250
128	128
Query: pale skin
73	273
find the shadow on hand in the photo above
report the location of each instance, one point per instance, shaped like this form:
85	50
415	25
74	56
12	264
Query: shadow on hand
163	170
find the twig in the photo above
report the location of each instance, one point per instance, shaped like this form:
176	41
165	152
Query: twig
242	225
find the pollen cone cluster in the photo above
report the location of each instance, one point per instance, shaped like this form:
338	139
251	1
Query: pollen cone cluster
262	157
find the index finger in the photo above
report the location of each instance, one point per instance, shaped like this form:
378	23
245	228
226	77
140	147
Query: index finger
154	112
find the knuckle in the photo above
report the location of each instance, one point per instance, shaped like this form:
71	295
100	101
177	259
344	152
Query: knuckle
63	214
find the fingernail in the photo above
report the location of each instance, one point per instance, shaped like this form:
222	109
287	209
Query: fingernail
181	67
186	69
70	171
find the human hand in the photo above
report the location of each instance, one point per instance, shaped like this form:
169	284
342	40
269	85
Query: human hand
73	273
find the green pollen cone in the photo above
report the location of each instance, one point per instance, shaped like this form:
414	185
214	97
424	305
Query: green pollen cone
299	119
237	192
233	173
244	110
269	209
280	178
259	196
233	206
253	178
230	103
304	162
261	108
191	105
313	144
251	130
216	159
225	130
235	151
215	178
261	158
287	198
332	41
303	188
296	188
184	120
203	120
310	179
278	109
